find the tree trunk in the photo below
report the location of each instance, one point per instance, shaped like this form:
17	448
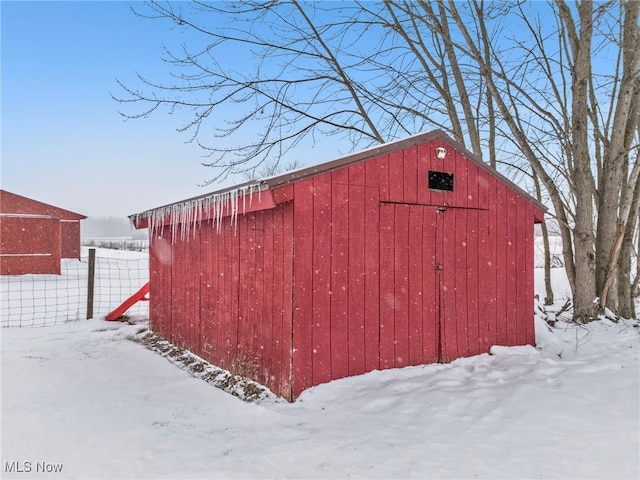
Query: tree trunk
548	289
626	294
635	286
585	304
548	295
627	201
617	191
584	301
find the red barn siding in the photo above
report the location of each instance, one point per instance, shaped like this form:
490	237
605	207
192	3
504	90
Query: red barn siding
356	297
235	311
29	244
353	266
70	239
321	280
35	235
160	261
394	334
338	310
371	278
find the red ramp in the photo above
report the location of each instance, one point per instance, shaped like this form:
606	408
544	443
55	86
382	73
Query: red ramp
140	295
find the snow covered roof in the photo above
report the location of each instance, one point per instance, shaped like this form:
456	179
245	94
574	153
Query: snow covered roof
14	204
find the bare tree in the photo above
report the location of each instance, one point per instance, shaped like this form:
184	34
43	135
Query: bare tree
271	169
548	88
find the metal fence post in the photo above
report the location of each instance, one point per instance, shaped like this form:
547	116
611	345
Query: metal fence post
90	282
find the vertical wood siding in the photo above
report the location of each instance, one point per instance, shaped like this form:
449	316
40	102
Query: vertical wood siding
366	268
389	273
230	294
160	261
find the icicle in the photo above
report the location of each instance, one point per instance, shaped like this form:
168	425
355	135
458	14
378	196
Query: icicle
186	217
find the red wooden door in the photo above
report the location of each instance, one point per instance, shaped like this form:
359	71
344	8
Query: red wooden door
428	283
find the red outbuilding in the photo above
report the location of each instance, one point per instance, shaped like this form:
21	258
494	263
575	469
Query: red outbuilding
409	253
34	236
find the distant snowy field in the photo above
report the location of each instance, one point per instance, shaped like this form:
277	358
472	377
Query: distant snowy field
83	399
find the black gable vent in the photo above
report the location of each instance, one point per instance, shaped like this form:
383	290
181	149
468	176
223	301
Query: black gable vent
441	181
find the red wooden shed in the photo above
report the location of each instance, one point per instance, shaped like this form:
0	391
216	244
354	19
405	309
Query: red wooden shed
385	258
34	236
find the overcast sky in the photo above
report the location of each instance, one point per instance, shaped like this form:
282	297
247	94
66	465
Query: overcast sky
63	140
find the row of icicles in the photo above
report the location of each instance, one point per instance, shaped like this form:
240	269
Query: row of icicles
184	217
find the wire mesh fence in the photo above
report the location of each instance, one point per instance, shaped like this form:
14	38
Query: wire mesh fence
42	300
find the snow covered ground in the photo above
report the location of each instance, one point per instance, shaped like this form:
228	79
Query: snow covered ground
84	399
